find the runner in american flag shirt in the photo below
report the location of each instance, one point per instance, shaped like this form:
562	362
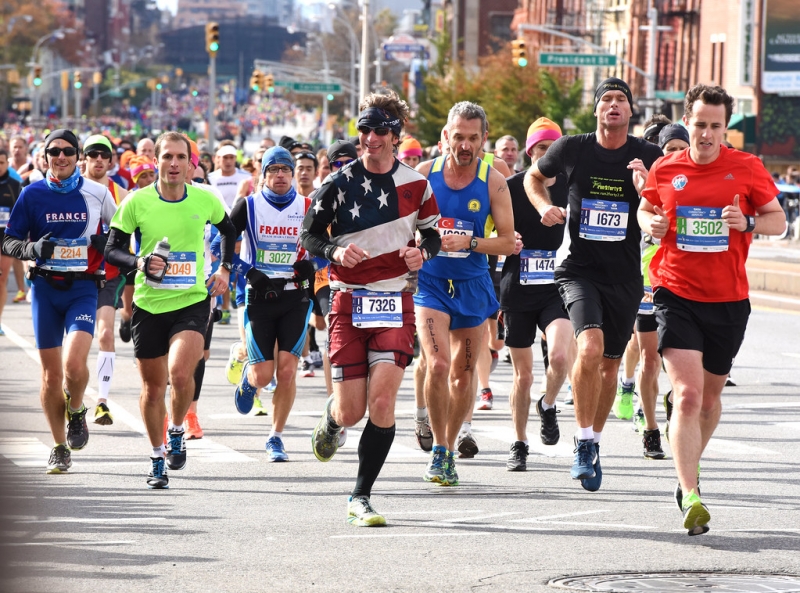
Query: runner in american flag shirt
364	219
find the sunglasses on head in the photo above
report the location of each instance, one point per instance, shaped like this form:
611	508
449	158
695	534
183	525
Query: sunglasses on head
305	155
340	164
97	154
67	150
379	131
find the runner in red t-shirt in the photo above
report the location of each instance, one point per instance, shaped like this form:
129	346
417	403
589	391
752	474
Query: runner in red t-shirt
704	204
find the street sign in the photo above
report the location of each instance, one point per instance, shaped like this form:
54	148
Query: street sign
413	48
577	60
314	87
390	56
670	95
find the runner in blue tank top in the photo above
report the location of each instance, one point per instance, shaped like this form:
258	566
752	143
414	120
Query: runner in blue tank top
455	294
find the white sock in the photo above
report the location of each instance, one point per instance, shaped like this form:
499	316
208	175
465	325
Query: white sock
629	381
585	434
421	414
159	451
308	359
105	372
466	427
275	433
596	436
175	428
546	406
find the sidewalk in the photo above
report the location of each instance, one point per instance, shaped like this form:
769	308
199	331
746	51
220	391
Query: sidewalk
773	270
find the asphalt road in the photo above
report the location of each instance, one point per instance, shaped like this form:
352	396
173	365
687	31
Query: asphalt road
231	521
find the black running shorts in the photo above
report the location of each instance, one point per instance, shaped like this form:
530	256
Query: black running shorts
152	332
521	326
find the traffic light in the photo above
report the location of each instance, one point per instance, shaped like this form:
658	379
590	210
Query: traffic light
212	38
64	80
255	80
37	76
519	52
269	83
194	92
77	80
97	78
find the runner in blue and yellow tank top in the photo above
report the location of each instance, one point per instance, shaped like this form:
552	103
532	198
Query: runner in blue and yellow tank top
455	294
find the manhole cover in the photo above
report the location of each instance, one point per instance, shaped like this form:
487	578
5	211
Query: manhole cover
681	582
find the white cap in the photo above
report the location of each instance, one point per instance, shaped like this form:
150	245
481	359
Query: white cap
226	150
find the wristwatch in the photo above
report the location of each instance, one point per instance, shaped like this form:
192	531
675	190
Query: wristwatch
227	265
473	244
751	224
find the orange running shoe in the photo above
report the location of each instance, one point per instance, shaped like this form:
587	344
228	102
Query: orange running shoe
193	430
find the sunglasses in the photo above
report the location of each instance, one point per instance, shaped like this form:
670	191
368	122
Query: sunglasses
275	169
68	151
339	164
379	131
97	154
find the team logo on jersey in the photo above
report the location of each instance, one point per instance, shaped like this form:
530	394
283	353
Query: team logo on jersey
679	182
474	206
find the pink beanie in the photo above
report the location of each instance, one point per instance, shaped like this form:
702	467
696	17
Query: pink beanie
541	129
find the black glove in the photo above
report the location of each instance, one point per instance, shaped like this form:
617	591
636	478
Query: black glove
159	276
303	270
259	280
99	242
44	248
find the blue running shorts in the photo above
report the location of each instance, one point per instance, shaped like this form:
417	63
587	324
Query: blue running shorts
468	302
56	312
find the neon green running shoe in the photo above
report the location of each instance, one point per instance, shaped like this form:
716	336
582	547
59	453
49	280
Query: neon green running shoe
361	514
695	514
638	421
623	402
258	407
233	370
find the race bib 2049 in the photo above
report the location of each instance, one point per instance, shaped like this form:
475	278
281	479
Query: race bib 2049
181	271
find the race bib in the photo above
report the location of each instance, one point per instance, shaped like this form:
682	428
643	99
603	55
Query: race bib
275	259
5	214
70	255
377	309
646	306
181	271
454	226
701	229
501	261
602	220
536	267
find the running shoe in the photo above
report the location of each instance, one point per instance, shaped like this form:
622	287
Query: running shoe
583	466
245	393
176	449
271	386
679	491
234	367
324	440
495	360
2	333
77	429
695	514
60	460
668	410
517	457
593	484
639	421
306	369
623	402
102	415
486	400
569	400
275	449
549	431
19	297
467	445
361	514
651	440
125	330
435	470
158	479
258	407
450	473
424	434
316	359
729	382
193	430
226	318
342	437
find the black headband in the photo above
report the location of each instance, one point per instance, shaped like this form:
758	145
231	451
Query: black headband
613	84
375	117
62	134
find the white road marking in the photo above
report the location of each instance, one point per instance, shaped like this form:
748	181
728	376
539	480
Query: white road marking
397	451
552	517
733	447
25	452
761	405
424	534
792	354
507	435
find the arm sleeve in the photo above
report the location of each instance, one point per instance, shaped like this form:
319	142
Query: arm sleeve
17	248
239	215
228	233
118	251
431	241
314	236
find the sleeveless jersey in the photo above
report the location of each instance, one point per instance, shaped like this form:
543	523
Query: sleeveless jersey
465	211
271	238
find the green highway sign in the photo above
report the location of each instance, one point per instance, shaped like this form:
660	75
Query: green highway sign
315	87
670	95
577	60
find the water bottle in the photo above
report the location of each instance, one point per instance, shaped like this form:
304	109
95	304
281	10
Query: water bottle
162	249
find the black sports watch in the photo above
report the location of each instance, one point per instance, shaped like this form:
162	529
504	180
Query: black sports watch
227	265
473	244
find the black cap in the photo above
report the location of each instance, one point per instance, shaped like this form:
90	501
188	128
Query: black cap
286	142
62	134
672	132
342	148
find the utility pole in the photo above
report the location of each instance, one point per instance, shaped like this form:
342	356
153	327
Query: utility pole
212	47
454	40
64	96
363	86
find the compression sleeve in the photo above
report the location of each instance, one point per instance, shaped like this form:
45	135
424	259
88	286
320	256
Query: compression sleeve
18	248
227	231
118	252
239	215
431	241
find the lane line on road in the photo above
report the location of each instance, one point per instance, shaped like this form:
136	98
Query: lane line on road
25	452
425	535
762	405
563	516
733	447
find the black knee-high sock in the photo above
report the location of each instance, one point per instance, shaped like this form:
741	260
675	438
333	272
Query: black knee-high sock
545	359
199	373
372	451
